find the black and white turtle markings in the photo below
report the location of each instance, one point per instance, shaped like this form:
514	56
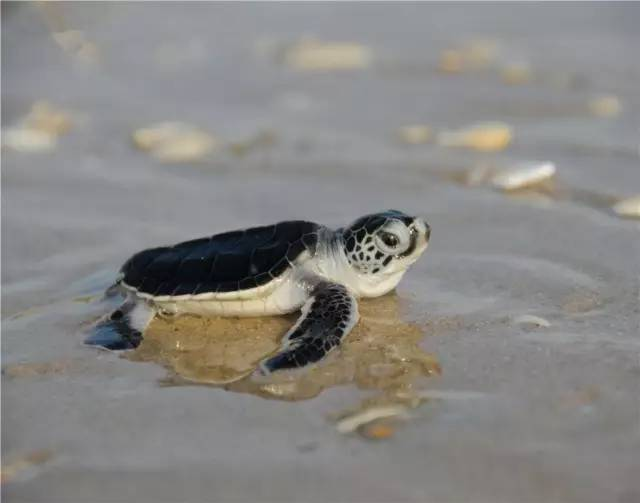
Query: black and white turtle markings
363	254
327	317
270	270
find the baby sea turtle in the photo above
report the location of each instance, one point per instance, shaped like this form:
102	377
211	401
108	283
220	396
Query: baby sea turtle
275	269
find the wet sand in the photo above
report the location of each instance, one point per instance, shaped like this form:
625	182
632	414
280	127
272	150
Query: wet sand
497	409
382	353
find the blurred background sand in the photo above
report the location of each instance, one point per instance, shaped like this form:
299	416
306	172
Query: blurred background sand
301	111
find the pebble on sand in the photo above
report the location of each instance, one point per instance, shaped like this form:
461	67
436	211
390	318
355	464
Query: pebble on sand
485	137
516	73
27	140
475	54
451	61
531	320
628	208
352	422
415	134
175	142
48	118
313	55
39	130
524	175
606	106
378	430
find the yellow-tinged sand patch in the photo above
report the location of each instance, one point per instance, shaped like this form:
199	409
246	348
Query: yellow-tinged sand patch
415	134
476	54
45	368
314	55
379	429
382	353
48	118
605	106
451	61
516	73
580	302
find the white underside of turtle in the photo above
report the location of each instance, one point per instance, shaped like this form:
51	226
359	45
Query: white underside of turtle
270	270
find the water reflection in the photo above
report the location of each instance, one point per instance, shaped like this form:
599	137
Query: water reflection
382	353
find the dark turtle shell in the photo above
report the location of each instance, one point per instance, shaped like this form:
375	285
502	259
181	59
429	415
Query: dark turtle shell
233	261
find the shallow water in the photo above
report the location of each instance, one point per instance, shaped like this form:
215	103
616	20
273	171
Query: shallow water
498	410
382	353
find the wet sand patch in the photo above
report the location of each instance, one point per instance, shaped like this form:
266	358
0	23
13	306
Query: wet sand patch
60	366
382	353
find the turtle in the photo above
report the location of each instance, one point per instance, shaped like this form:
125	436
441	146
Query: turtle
269	270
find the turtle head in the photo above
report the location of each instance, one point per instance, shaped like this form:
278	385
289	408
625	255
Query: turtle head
385	243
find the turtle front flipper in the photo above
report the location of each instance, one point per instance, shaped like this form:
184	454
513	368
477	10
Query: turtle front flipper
327	317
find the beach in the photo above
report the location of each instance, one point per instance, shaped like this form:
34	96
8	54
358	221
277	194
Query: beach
516	333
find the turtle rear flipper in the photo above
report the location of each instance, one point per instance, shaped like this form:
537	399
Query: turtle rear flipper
327	317
123	328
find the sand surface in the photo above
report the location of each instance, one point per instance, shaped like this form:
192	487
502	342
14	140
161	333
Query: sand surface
497	408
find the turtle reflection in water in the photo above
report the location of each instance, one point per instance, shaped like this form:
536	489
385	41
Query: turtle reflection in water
382	353
276	269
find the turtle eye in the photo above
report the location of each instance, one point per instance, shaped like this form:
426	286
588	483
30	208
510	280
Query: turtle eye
391	240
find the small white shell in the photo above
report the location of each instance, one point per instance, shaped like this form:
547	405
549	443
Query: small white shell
28	140
175	142
524	175
351	423
39	130
628	208
529	319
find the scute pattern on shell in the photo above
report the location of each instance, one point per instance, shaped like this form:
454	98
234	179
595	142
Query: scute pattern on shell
232	261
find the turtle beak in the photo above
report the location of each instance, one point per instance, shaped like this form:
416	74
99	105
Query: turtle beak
421	232
427	232
423	228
